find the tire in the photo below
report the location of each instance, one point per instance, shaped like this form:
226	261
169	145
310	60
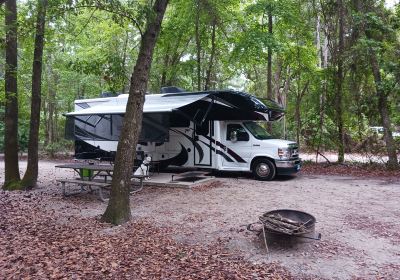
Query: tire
264	169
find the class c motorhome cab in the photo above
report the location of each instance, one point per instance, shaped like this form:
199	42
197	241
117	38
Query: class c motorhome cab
220	130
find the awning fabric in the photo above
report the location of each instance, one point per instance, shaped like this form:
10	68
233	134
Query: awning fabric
213	105
156	103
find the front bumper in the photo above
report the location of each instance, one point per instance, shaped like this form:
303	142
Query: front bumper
285	167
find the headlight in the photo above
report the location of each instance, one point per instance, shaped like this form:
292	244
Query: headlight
284	153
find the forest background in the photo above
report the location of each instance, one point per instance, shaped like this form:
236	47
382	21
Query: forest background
333	64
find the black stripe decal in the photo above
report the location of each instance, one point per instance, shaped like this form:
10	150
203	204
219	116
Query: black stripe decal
195	144
230	152
235	156
219	152
179	159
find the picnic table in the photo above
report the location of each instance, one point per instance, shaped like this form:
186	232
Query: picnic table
88	178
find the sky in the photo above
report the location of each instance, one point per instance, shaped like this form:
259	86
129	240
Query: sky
391	3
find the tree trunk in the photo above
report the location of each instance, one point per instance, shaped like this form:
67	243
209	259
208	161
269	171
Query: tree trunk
198	45
55	123
318	40
384	112
339	89
322	97
299	98
164	71
356	76
210	63
383	105
298	119
118	209
31	174
277	80
284	95
52	84
325	53
50	122
269	67
12	177
45	116
124	56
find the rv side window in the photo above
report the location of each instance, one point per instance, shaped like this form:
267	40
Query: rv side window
177	120
203	129
241	133
70	128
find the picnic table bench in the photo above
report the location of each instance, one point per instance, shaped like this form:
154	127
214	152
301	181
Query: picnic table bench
88	172
83	183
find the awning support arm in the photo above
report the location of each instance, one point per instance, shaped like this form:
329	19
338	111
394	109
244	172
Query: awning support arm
208	110
79	120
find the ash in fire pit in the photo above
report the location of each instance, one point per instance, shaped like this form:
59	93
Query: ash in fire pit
285	222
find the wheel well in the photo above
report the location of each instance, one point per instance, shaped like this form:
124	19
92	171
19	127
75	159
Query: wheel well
261	157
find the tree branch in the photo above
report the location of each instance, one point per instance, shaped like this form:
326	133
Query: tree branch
99	6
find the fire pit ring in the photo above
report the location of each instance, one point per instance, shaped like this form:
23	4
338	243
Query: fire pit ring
288	222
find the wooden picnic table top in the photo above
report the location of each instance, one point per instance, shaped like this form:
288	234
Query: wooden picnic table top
96	167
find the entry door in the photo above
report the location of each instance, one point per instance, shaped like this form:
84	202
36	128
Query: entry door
237	151
202	141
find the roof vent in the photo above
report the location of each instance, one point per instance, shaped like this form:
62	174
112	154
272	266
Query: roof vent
108	94
172	90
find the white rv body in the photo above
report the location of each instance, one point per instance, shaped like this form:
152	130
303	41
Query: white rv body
226	145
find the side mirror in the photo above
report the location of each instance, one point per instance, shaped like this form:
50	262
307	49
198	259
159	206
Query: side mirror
233	136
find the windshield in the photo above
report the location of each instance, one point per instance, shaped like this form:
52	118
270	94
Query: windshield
257	130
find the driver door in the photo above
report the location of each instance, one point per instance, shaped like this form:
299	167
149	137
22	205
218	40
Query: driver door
237	150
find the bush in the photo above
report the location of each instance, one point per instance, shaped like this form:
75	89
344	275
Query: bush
23	136
62	147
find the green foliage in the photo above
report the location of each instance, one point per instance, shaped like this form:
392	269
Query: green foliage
62	147
91	47
23	136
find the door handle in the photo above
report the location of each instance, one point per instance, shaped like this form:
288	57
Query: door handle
256	145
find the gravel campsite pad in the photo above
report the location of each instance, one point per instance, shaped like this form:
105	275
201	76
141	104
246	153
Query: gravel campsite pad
200	233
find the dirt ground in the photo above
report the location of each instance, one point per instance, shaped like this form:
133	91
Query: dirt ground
358	219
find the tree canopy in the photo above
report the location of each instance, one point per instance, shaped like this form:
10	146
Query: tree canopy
334	63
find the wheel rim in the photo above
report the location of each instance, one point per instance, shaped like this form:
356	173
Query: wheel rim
263	170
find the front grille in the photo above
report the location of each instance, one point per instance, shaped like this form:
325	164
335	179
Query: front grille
294	151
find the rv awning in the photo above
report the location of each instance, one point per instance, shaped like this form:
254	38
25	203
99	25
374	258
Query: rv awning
197	106
157	103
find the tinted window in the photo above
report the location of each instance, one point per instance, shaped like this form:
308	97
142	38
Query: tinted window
177	120
241	133
257	130
70	128
203	129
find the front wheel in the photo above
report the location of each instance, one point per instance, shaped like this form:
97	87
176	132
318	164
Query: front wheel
264	169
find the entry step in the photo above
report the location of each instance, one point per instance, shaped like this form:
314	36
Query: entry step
190	176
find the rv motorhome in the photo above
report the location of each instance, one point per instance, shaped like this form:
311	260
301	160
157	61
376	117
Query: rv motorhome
217	130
